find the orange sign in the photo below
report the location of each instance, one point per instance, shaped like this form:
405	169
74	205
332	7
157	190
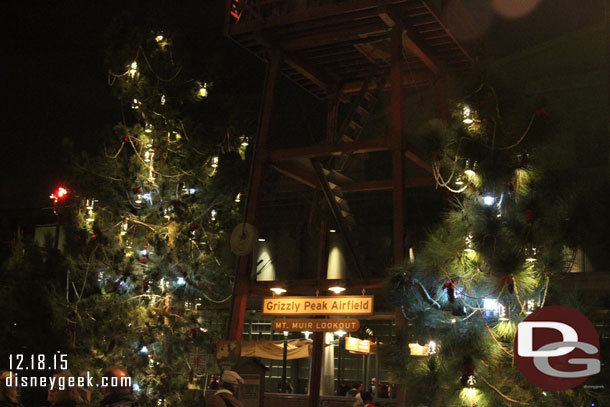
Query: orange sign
337	305
316	325
357	345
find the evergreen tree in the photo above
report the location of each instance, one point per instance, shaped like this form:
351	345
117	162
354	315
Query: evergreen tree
150	273
508	235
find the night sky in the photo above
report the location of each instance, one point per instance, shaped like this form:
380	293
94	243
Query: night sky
55	84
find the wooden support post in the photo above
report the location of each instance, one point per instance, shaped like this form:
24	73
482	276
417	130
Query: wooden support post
398	175
397	144
441	98
242	277
331	119
323	251
316	369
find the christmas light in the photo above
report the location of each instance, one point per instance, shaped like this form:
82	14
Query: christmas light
244	141
60	193
203	91
238	197
136	387
490	304
502	312
340	334
471	381
135	105
261	239
470	169
278	290
133	69
213	214
468	248
488	199
459	180
144	350
180	281
431	348
332	231
147	155
530	255
530	306
148	128
138	199
467	116
159	38
162	100
214	162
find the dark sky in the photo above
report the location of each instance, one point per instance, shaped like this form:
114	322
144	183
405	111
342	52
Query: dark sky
54	83
54	78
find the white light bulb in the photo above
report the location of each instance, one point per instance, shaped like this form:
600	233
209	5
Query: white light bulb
489	200
144	350
180	281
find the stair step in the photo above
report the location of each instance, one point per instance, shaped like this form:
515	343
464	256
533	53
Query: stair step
362	110
355	124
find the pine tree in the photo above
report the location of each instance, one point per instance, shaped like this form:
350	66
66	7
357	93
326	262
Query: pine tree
507	236
150	273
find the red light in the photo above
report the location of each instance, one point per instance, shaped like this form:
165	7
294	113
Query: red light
60	193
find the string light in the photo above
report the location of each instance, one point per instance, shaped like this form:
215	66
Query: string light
215	162
489	199
467	116
468	248
180	281
530	306
144	350
471	381
238	197
159	38
133	69
124	227
530	255
502	312
213	214
138	199
469	169
431	348
162	100
203	91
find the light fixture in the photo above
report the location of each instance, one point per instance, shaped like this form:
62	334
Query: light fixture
490	304
468	248
340	334
306	333
469	169
203	91
530	254
467	115
332	231
489	199
337	289
285	334
278	290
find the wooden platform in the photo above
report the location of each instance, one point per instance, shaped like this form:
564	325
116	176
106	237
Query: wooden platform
331	46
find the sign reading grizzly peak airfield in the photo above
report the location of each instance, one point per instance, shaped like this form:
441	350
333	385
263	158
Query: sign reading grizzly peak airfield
316	325
337	305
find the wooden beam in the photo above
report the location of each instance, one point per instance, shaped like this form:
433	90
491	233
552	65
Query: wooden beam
386	185
417	161
294	62
242	275
314	13
336	35
409	42
325	150
414	78
296	173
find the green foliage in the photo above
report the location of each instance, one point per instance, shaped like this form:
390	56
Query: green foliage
508	234
147	234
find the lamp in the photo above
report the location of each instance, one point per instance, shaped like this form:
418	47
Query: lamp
278	290
338	288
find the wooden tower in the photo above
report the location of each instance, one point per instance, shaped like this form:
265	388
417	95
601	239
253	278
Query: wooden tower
342	51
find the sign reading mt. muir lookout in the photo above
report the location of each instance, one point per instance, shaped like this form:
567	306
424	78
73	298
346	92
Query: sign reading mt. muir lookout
337	305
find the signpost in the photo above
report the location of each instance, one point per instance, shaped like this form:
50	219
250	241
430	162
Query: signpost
316	325
337	305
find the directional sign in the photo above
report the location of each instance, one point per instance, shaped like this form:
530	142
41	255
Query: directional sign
336	305
316	325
